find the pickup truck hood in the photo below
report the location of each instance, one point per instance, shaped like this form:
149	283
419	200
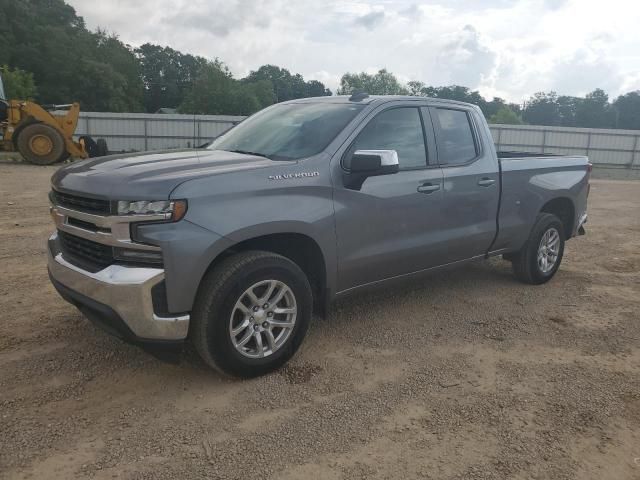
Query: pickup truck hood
149	175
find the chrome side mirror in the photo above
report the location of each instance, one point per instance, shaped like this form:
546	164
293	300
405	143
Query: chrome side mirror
370	163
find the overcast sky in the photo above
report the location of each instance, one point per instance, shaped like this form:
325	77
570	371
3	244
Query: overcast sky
505	48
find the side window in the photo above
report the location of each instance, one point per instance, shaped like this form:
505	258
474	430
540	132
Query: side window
454	136
398	129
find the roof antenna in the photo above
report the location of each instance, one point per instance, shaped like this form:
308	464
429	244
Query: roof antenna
358	96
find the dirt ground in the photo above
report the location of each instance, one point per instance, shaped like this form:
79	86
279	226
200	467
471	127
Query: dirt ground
467	374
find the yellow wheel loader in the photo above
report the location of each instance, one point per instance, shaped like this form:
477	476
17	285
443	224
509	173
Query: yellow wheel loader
41	137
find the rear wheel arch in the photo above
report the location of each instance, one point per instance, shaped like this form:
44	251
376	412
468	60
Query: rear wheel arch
564	209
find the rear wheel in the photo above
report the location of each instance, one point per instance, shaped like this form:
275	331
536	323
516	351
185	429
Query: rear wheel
539	259
41	144
251	313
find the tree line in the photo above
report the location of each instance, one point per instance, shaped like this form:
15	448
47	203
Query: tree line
49	55
594	110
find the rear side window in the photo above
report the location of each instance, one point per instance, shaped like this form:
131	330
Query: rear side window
454	134
398	129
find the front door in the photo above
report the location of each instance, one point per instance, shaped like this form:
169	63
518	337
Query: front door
390	226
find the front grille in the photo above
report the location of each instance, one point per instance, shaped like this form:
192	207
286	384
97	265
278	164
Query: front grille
91	256
81	204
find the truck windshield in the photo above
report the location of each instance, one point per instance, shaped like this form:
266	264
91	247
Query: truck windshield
289	131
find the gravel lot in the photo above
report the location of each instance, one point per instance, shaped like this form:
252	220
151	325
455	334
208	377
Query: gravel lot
467	374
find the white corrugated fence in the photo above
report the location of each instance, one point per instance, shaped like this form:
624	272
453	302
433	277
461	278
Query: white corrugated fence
148	131
606	147
144	131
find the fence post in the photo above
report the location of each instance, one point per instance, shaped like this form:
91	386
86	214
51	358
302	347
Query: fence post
88	133
589	143
199	136
544	139
146	135
499	137
633	151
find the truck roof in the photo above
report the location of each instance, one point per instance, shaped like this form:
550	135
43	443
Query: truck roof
373	99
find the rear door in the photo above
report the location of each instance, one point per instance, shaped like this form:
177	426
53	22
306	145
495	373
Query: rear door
390	226
471	181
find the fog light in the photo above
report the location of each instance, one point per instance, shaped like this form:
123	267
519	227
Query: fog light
137	256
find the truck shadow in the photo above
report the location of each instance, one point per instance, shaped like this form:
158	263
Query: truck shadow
475	278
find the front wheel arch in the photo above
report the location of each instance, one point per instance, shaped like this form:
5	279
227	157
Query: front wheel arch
301	249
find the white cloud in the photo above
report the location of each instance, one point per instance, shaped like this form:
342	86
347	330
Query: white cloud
510	48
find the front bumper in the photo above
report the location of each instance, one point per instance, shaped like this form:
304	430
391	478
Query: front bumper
117	298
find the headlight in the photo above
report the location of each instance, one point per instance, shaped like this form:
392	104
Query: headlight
172	210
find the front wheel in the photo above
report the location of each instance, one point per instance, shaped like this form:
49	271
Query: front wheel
539	259
251	313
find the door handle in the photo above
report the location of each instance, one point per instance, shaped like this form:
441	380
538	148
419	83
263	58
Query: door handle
428	187
486	182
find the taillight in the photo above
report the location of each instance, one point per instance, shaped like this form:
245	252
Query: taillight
589	168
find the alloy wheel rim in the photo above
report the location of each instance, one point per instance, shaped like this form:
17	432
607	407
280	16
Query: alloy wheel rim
263	318
548	250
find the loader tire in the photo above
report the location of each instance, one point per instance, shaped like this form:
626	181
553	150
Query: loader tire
41	144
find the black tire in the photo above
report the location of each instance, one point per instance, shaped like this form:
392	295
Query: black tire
217	295
90	146
525	262
41	135
102	147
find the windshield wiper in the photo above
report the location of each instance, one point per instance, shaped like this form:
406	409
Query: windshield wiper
251	153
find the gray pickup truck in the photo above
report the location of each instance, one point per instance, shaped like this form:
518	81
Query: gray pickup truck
233	246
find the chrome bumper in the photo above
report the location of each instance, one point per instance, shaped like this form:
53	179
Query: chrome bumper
125	290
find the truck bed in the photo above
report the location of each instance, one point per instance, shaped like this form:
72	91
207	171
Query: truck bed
506	155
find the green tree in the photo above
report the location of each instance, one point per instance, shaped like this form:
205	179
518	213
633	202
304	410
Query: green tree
594	111
416	88
18	84
285	85
210	93
216	92
381	83
542	109
167	75
316	88
459	93
48	39
627	110
506	116
567	106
